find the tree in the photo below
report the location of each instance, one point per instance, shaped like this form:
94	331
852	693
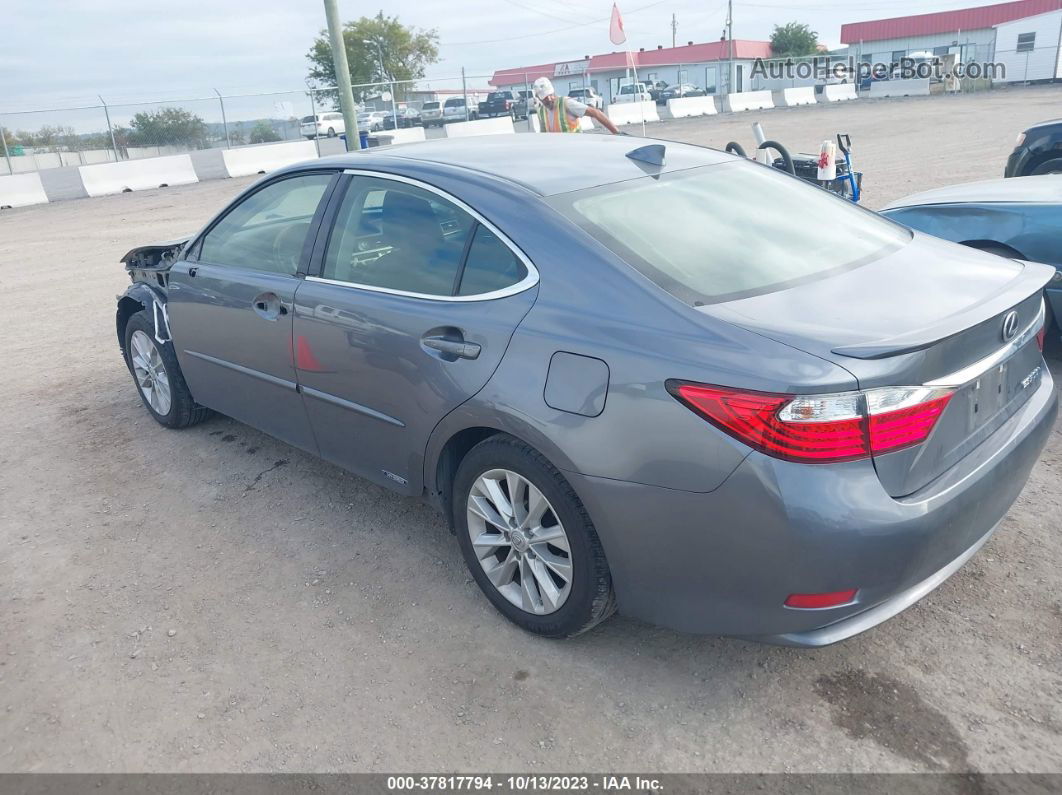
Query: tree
263	133
793	40
168	126
406	52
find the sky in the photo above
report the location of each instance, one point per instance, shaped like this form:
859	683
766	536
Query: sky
63	53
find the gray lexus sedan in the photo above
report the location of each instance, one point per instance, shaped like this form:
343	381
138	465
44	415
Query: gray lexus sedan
667	381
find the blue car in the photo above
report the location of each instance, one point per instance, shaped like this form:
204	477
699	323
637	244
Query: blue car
1018	218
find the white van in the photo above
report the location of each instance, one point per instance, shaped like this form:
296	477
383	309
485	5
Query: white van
323	125
633	92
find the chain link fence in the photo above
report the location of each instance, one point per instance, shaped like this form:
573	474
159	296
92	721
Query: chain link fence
108	132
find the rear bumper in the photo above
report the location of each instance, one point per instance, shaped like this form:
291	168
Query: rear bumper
724	562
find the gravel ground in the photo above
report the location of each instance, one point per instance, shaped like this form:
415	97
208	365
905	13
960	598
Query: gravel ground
213	600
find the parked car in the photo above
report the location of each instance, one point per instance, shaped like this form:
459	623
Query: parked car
679	90
503	103
407	117
322	125
793	439
654	88
431	114
1017	218
588	96
633	92
454	110
1038	151
372	120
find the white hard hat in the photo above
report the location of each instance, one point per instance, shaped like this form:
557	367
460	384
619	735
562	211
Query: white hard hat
543	88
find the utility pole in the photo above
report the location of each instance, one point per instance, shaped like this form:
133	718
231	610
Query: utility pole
339	61
674	30
729	46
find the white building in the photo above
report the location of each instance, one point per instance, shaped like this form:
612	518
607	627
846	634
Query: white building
970	33
1030	48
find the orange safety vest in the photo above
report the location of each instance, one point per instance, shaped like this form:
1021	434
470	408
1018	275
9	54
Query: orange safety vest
557	120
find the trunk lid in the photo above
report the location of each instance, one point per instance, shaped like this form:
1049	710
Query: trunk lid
929	312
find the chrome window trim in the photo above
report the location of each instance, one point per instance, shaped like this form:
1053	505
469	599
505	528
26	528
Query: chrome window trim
529	281
982	366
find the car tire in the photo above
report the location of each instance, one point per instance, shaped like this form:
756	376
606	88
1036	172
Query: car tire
179	409
1052	166
588	596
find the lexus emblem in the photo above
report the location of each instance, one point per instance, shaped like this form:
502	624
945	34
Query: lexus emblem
1010	325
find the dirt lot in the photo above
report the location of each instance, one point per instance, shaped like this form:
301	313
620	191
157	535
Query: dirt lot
213	600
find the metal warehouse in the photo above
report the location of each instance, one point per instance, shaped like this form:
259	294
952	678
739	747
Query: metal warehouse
1025	36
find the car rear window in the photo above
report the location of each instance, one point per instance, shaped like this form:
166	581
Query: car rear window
430	106
728	231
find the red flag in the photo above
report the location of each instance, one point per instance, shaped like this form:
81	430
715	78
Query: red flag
615	27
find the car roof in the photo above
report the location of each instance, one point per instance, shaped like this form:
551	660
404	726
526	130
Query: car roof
1042	189
543	164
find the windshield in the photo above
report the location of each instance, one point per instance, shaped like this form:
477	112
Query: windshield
733	230
628	89
498	95
309	119
454	103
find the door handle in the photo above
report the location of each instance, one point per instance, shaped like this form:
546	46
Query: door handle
458	349
268	306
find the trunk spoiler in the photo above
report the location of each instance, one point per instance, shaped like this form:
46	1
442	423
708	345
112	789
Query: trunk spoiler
1033	277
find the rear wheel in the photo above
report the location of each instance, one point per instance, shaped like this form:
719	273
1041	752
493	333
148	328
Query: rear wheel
1053	166
158	375
528	540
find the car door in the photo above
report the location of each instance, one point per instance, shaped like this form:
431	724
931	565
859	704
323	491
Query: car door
412	304
230	306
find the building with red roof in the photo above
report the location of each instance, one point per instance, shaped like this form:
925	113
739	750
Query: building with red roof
704	65
1024	35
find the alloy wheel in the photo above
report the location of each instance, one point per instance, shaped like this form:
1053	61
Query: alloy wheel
150	373
519	541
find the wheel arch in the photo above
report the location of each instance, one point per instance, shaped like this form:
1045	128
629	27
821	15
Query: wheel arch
982	245
138	297
455	436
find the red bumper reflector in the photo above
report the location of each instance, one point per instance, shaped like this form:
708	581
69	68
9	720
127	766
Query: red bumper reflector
813	600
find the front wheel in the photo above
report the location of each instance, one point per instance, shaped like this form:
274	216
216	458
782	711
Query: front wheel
528	540
158	376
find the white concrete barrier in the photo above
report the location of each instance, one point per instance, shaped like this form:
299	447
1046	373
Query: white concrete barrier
22	189
246	160
748	100
632	112
681	107
791	97
840	92
915	87
503	125
153	172
407	135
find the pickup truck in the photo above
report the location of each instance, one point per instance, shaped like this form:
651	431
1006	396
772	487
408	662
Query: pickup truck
503	103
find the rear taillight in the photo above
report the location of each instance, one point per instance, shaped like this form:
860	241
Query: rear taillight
844	426
1041	337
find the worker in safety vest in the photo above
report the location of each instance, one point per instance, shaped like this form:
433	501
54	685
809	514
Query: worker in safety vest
562	114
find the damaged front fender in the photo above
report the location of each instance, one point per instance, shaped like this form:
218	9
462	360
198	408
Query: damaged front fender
138	297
